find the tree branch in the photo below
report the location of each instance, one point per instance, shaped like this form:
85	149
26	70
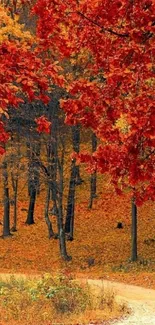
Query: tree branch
109	30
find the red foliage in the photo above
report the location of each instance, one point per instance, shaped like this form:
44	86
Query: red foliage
118	81
119	36
43	125
25	72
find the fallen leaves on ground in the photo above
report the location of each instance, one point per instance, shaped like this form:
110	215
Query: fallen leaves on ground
99	249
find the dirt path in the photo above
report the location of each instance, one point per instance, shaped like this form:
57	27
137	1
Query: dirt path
141	301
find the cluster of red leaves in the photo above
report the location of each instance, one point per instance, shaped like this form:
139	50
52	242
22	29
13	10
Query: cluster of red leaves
25	72
3	138
43	125
120	38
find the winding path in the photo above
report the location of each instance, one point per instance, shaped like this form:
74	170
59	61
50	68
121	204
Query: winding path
141	301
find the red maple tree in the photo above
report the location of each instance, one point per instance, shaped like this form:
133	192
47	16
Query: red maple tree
119	36
117	83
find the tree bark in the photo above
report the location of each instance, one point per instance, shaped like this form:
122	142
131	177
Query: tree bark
62	237
75	179
15	179
55	172
30	216
134	232
92	189
93	178
61	230
37	149
33	179
76	148
15	189
59	203
6	216
29	171
48	222
52	148
69	224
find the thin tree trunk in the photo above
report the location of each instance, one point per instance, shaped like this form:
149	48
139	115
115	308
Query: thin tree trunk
69	224
14	179
30	216
14	227
6	216
53	148
29	171
33	154
32	183
93	178
92	189
75	179
54	165
15	189
53	173
48	222
62	237
76	148
37	148
134	232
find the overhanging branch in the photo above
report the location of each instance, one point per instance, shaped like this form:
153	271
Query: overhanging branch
109	30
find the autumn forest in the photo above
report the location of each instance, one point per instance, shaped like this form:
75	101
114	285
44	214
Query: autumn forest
77	156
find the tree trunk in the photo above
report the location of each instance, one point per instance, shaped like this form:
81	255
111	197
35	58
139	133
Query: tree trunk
29	171
92	189
6	216
37	148
59	207
52	148
48	222
14	179
75	179
30	216
76	148
33	179
15	188
54	165
61	230
33	154
93	178
134	232
69	224
62	237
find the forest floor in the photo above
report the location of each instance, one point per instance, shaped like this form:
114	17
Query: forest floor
99	249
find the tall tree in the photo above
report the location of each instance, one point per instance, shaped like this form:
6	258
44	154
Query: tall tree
117	83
